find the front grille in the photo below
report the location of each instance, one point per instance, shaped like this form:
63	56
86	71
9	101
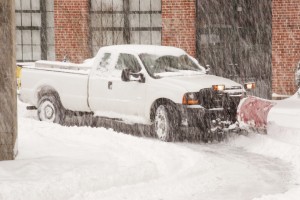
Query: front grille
234	88
210	99
213	100
234	91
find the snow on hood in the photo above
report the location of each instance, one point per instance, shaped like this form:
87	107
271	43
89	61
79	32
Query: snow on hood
195	83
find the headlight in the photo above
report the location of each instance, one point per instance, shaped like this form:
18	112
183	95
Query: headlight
218	87
249	86
190	99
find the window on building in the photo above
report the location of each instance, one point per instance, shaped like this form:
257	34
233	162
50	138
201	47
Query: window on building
125	22
34	30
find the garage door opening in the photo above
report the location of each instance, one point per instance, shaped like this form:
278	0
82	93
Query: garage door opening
234	37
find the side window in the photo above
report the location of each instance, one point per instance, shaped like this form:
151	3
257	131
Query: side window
128	61
104	63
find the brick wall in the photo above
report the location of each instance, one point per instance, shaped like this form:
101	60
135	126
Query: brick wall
178	24
71	29
285	44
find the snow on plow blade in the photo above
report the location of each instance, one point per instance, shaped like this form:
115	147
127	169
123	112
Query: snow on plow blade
252	113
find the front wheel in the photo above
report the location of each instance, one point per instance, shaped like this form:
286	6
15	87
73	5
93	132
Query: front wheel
165	124
50	110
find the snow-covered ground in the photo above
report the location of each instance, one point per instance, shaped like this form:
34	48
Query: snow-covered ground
57	162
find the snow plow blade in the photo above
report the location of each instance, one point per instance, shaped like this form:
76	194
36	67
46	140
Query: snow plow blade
252	114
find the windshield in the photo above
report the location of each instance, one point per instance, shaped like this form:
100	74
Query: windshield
166	65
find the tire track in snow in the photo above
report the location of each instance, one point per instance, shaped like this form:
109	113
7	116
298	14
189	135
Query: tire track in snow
220	172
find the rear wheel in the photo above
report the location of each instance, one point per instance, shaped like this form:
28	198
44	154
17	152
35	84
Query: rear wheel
165	124
50	110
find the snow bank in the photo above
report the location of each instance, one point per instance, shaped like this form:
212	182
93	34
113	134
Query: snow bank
284	117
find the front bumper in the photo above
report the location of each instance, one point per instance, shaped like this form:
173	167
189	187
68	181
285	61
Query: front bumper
196	115
213	120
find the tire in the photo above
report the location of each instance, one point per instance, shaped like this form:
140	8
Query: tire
205	128
51	110
165	124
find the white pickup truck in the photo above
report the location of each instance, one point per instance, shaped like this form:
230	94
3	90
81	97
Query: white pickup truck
144	84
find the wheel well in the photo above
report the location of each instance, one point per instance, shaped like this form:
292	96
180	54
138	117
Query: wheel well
158	102
47	91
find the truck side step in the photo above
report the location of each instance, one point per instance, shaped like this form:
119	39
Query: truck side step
31	108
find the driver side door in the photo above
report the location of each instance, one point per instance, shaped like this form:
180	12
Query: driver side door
128	97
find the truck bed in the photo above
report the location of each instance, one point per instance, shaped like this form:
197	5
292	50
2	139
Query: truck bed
70	83
43	64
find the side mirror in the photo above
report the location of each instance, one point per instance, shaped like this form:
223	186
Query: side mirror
142	78
127	76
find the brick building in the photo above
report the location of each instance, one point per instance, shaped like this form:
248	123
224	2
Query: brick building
242	40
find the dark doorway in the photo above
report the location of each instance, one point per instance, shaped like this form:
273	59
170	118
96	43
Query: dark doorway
234	37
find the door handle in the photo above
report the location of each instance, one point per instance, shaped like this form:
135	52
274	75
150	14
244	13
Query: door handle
109	85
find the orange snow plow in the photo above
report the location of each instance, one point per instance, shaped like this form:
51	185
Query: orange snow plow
252	113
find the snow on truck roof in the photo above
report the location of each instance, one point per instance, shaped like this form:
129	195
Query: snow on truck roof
150	49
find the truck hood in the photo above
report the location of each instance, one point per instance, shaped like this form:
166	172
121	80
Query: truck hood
197	82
